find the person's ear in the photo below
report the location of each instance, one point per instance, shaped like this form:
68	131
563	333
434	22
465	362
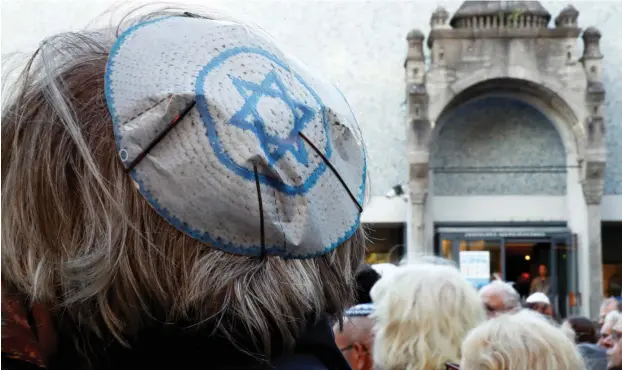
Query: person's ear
361	356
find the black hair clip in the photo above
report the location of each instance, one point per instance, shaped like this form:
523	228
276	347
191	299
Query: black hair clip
160	136
192	15
333	169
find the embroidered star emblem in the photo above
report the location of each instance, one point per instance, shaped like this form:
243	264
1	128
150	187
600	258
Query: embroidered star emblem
248	118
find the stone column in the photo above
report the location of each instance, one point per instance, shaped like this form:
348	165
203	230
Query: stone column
418	134
418	196
594	166
595	273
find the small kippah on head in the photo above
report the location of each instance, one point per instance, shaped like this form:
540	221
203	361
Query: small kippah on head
233	143
361	310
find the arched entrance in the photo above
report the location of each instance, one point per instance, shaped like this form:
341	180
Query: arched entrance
468	172
497	146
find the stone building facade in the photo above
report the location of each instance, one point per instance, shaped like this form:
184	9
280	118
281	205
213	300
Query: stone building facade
507	108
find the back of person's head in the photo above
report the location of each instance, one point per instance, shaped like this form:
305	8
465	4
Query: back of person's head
384	268
117	245
611	319
509	297
426	259
365	280
584	330
608	305
520	341
423	312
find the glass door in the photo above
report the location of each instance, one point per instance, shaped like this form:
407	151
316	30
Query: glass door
566	279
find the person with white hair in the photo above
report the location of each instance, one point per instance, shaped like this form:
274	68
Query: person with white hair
178	193
384	268
499	297
614	354
606	330
521	341
423	312
429	259
608	305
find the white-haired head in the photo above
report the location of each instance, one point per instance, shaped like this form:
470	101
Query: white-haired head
428	259
499	297
521	341
423	312
384	268
608	305
611	320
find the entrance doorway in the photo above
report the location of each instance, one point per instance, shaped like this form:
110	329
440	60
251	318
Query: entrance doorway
519	255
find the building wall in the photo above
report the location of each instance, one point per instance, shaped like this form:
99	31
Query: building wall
359	45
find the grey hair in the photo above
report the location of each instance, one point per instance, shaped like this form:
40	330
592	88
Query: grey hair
78	237
511	298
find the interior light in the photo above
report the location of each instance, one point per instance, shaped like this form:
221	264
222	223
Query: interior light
527	257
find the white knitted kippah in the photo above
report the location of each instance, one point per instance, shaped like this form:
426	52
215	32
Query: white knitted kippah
233	143
363	309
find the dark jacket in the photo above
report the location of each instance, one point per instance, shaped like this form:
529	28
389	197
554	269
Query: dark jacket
160	347
594	356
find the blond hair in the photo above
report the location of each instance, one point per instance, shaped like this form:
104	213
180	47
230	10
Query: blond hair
77	235
521	341
423	312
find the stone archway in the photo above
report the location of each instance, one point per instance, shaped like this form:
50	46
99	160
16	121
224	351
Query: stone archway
507	49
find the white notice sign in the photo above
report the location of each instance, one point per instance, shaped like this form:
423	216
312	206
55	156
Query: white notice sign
475	266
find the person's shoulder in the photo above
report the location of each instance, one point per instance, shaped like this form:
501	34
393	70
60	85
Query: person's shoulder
590	348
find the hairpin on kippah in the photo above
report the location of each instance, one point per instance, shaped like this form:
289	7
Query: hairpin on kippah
161	136
333	169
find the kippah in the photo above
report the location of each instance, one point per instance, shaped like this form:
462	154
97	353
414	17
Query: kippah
360	310
231	141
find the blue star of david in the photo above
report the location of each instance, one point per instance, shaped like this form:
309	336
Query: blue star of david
248	118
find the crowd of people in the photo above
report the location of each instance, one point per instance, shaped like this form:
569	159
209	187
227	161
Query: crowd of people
425	316
179	193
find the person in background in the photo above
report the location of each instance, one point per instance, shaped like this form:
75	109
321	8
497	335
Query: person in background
608	305
541	283
355	338
584	333
499	297
423	312
384	268
522	285
540	303
152	212
365	280
427	259
614	354
606	330
583	329
522	341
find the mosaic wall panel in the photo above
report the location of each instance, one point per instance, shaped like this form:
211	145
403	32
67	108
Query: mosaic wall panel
498	146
